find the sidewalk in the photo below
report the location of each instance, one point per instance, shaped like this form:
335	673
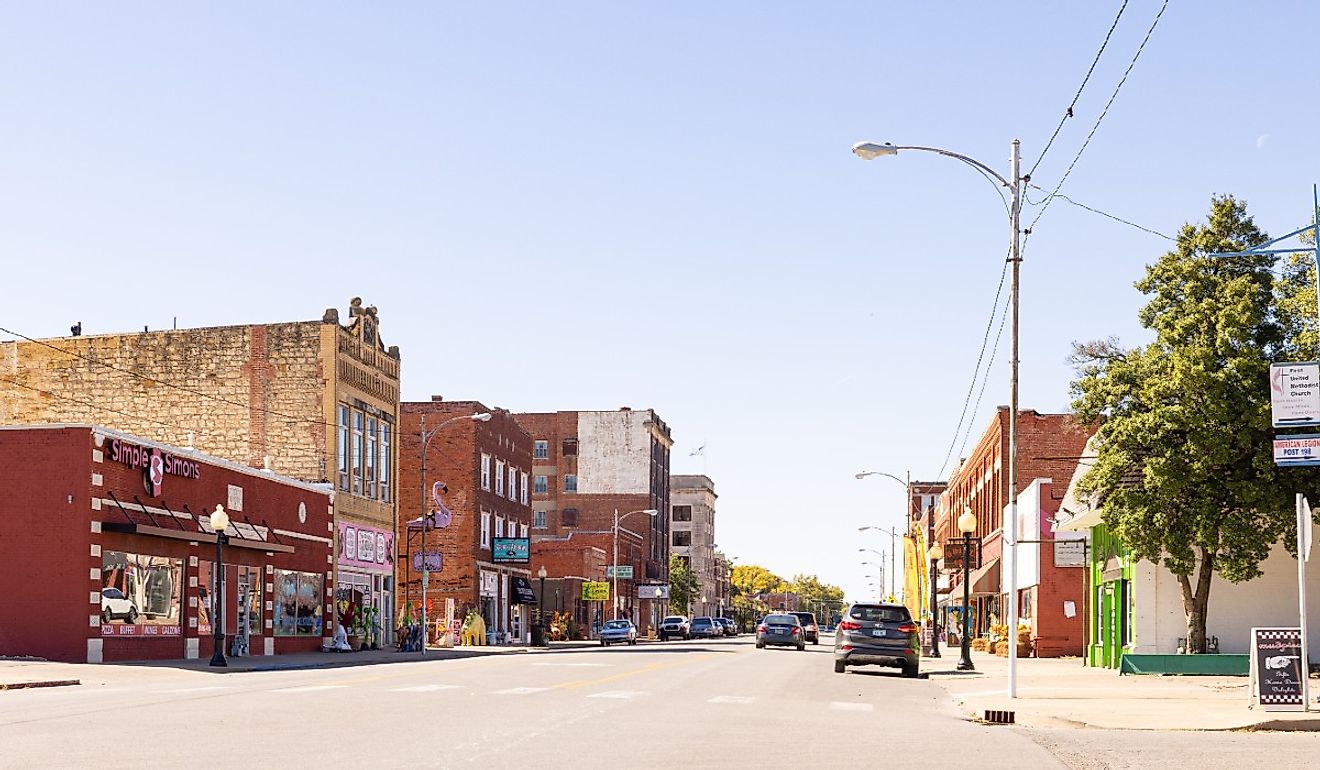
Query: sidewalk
1061	692
20	673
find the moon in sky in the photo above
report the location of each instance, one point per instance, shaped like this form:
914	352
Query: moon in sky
1261	140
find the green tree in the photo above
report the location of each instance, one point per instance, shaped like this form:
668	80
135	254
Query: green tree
815	596
753	580
1185	467
683	585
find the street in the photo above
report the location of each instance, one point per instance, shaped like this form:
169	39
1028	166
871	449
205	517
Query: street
695	704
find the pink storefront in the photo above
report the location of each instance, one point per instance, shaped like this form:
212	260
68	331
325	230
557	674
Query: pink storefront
365	562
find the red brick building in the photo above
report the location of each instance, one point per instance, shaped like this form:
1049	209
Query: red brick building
1049	448
106	539
586	466
486	466
569	562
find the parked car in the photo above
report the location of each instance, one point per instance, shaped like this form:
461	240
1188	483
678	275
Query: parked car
115	605
618	630
675	625
877	635
810	631
781	629
730	628
706	628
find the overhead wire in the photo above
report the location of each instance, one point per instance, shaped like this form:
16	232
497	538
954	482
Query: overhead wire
1069	112
1105	214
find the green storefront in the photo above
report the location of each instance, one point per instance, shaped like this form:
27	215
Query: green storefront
1110	582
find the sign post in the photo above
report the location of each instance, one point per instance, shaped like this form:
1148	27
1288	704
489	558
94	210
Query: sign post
1303	552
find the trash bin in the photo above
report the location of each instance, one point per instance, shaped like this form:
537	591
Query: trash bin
538	636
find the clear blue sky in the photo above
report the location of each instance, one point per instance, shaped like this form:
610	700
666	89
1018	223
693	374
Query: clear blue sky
581	206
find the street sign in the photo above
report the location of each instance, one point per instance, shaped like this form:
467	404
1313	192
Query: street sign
511	550
1276	668
624	571
595	591
1295	394
1070	553
1299	449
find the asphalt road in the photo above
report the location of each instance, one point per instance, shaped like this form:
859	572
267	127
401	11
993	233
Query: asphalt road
679	704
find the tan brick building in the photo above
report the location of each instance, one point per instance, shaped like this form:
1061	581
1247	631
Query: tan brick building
314	400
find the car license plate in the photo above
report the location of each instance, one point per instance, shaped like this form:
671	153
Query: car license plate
877	632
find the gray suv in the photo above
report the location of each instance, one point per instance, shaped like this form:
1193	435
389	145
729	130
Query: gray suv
877	635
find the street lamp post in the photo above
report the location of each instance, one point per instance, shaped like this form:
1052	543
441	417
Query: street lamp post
617	519
219	523
966	525
871	150
426	437
936	553
540	605
893	534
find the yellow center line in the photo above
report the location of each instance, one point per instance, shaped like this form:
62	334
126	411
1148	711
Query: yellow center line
575	684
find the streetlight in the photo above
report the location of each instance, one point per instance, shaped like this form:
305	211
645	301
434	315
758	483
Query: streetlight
425	518
966	525
540	605
219	523
893	535
936	552
617	518
870	150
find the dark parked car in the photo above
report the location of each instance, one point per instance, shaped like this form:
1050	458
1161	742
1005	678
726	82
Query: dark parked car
706	628
730	628
675	625
810	631
782	629
877	635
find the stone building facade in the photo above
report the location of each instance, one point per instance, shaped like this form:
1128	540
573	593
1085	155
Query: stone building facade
312	400
692	537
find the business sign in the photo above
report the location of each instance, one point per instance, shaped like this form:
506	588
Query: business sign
490	582
1276	668
431	561
653	592
596	591
154	463
624	571
366	547
511	550
1070	553
953	554
1295	394
1301	449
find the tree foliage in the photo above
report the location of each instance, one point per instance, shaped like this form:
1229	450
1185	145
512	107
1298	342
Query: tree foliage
1185	469
683	585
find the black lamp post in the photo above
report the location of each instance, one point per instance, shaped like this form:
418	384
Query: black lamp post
219	523
540	605
966	525
936	553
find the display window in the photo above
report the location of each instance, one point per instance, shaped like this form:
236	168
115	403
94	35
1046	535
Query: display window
249	598
141	595
298	601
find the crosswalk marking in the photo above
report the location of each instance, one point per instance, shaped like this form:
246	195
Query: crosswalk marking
616	694
311	688
520	691
425	688
842	706
731	699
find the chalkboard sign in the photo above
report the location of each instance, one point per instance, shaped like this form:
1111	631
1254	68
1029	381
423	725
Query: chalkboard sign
1276	668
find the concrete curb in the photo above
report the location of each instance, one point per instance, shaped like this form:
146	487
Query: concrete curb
40	683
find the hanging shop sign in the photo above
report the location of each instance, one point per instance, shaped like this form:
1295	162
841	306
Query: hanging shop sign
431	561
1295	394
653	592
511	550
490	583
366	547
1276	668
154	463
595	591
1069	553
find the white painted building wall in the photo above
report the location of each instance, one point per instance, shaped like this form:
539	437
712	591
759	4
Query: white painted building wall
614	453
1269	600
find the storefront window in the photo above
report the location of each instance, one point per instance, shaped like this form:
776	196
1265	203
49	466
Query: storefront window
370	463
297	603
386	460
343	447
140	595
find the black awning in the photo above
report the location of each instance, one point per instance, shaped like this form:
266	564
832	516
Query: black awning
522	591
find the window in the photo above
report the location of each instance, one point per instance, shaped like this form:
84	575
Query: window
139	590
570	483
513	483
568	518
568	447
297	603
542	485
499	478
373	441
682	537
682	513
343	447
499	526
485	472
538	519
386	459
522	530
358	450
485	530
523	499
541	449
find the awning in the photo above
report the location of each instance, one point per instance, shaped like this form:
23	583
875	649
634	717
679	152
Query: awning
986	579
522	591
1080	521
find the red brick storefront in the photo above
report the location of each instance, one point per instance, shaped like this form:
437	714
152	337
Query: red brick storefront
108	536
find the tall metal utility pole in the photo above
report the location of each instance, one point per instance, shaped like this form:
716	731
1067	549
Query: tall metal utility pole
1011	527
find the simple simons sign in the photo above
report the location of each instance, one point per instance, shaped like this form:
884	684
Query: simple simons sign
154	463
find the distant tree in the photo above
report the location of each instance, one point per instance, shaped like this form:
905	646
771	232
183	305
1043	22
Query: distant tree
753	579
813	595
683	585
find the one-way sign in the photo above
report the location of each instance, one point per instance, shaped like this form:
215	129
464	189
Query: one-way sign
1295	393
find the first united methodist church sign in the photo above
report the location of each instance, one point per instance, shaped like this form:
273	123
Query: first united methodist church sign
154	464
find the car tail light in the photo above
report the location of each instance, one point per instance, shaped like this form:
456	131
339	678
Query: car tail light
849	625
907	628
797	630
846	647
760	629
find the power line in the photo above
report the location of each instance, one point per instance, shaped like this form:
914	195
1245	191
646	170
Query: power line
976	372
1069	112
1105	214
1100	118
93	405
